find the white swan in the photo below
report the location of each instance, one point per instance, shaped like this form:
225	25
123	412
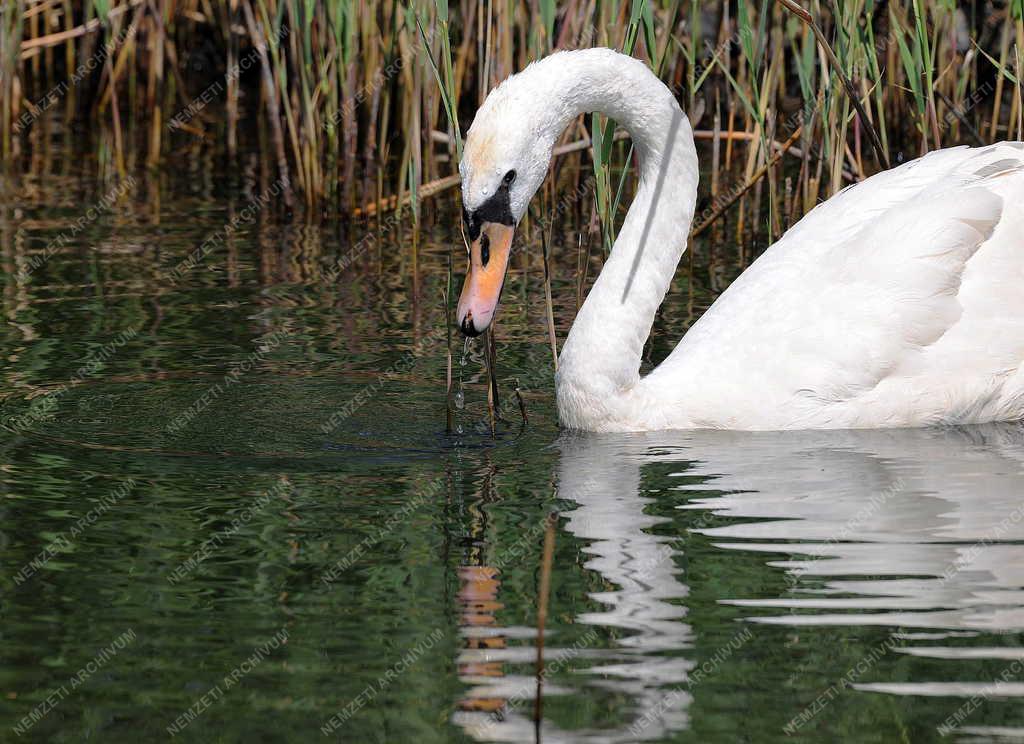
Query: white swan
898	302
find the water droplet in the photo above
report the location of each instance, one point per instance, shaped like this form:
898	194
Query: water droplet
460	400
458	429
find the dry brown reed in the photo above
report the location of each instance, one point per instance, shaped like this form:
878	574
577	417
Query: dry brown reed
355	101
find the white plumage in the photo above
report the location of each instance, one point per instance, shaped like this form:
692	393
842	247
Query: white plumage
897	302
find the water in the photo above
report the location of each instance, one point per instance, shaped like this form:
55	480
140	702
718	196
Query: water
231	512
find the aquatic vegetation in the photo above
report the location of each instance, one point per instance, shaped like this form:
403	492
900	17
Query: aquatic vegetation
359	108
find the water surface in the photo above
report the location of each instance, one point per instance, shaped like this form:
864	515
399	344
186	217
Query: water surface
231	512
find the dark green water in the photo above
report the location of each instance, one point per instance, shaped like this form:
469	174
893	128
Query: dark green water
231	513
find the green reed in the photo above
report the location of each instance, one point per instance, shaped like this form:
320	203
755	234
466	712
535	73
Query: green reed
360	107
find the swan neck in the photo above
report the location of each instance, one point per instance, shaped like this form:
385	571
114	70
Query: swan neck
599	367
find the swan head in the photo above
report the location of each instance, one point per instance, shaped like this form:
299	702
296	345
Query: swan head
504	162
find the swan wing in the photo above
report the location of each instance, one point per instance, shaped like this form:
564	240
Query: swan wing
895	303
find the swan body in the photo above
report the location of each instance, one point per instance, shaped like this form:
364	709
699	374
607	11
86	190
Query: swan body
896	303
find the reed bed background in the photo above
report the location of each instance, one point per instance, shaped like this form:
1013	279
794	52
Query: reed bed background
359	107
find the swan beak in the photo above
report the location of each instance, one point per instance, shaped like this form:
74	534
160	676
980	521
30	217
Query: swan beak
488	260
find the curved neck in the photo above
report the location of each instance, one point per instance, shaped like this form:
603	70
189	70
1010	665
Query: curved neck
600	362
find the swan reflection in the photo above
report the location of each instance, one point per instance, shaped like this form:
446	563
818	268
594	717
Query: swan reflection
644	605
932	516
917	531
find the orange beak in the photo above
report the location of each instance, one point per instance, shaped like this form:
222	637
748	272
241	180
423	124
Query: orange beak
488	261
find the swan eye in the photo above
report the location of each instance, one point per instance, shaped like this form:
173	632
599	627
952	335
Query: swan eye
485	249
510	177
